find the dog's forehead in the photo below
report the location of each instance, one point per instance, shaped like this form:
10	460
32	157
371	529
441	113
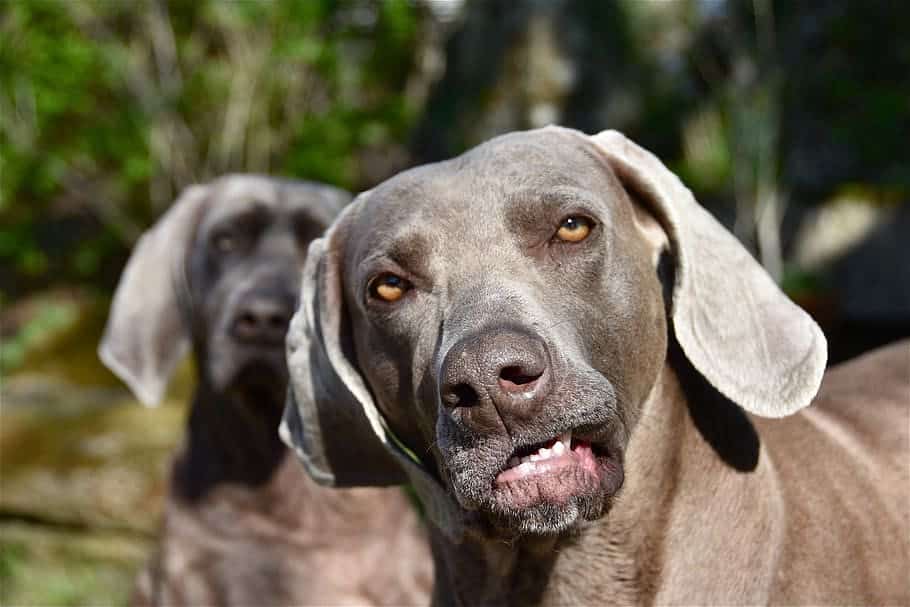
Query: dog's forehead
525	157
483	182
236	194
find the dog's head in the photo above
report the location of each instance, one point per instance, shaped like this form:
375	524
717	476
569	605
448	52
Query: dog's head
493	324
221	271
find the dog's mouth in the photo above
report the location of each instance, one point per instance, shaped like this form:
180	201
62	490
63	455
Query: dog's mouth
571	464
261	378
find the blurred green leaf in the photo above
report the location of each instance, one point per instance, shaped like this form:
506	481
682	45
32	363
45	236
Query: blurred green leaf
109	109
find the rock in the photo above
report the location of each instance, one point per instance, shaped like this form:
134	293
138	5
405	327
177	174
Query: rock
83	455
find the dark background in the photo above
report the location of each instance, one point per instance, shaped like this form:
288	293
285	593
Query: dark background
789	120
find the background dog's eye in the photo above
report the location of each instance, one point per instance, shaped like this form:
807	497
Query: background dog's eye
389	287
224	242
574	229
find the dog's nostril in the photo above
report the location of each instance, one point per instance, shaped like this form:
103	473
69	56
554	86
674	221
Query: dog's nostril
261	322
461	395
512	377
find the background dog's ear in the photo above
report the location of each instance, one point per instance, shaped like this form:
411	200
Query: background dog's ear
331	420
734	324
145	336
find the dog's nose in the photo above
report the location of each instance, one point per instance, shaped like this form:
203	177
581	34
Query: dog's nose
504	371
262	319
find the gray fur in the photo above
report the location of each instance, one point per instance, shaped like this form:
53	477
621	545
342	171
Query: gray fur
657	339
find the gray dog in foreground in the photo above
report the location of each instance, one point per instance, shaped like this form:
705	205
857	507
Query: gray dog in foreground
244	524
575	364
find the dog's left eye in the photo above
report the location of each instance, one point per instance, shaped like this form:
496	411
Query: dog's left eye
574	228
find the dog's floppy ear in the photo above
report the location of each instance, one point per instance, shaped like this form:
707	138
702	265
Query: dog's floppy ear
145	336
331	420
734	324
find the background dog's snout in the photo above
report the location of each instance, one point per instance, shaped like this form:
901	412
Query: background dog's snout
262	318
508	369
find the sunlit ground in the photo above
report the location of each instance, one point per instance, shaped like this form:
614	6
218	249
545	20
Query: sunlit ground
82	464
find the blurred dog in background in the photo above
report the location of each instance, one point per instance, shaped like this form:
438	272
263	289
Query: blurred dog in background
244	524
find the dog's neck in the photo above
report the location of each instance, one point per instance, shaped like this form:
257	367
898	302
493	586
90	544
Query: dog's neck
231	438
623	547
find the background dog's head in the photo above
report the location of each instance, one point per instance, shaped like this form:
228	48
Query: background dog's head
221	271
500	318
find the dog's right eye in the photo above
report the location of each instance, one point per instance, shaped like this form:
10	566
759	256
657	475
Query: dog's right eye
389	287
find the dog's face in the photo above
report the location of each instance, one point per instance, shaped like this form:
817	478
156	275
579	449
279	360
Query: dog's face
243	277
220	271
509	329
503	314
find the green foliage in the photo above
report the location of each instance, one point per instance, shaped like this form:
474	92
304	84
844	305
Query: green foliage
50	319
110	108
54	567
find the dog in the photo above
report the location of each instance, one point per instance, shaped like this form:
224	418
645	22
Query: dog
244	525
578	368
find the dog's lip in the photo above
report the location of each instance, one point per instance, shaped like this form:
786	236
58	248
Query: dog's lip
561	446
599	437
584	470
591	466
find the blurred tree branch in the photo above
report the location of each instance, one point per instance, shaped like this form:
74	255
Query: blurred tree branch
110	109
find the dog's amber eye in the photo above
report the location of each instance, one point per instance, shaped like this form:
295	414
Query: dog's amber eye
574	229
389	287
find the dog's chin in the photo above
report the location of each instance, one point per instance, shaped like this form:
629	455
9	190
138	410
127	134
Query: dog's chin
547	518
254	376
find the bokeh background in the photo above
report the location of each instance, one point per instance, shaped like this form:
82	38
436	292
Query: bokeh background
790	121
